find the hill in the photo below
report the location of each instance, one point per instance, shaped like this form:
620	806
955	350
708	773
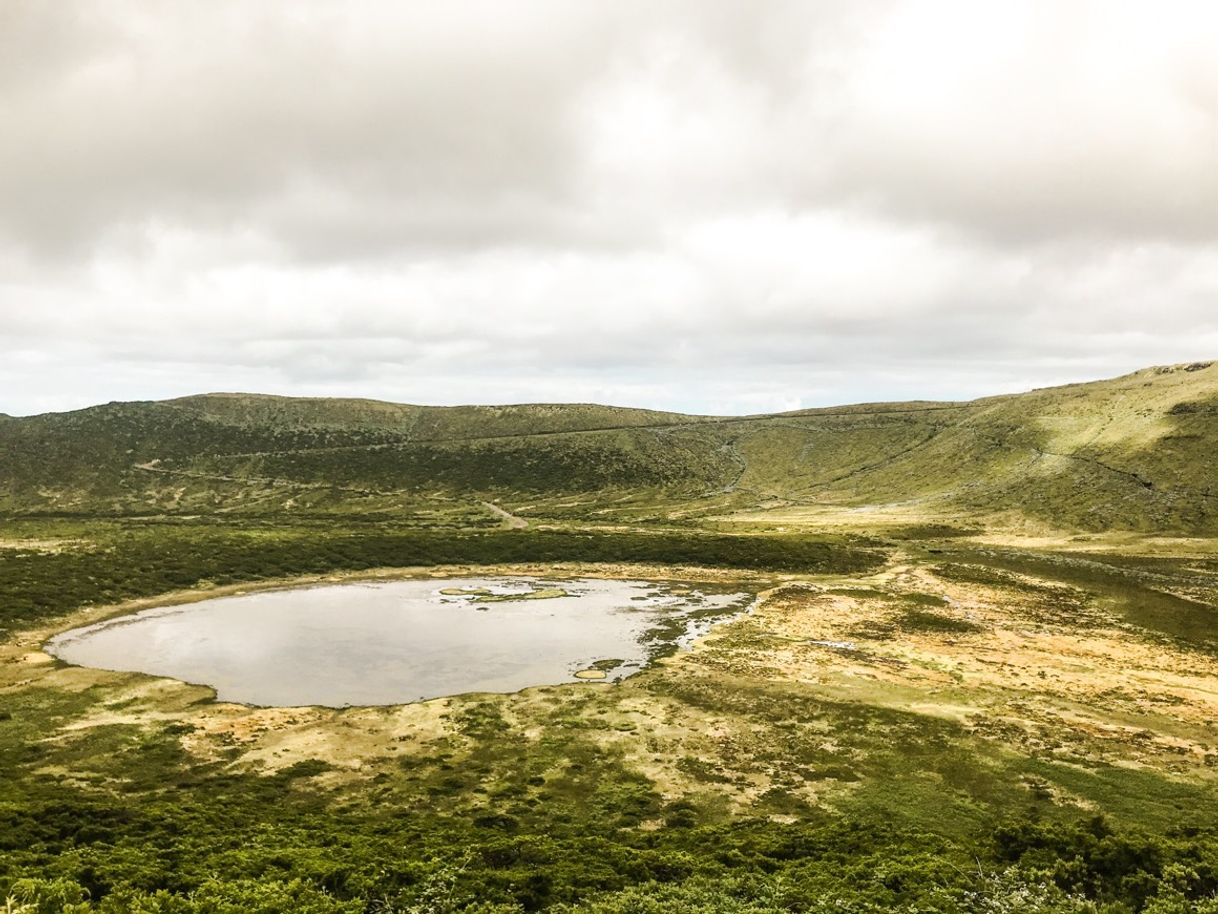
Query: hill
1131	453
920	710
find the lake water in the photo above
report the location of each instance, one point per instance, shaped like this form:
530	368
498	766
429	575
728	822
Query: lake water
403	641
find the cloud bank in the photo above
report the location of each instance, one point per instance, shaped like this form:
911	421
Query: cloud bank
728	207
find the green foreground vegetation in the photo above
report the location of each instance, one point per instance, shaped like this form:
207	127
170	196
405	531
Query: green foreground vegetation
941	701
118	561
920	813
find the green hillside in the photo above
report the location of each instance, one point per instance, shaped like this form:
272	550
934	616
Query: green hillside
1130	453
976	674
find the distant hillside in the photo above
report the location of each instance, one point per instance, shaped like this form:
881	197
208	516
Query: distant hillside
1135	452
417	422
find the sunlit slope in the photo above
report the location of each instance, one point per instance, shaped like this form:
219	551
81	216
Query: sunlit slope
820	455
1135	452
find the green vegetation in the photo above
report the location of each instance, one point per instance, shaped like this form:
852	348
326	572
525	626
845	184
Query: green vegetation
952	695
489	820
921	620
301	859
483	595
1132	453
124	560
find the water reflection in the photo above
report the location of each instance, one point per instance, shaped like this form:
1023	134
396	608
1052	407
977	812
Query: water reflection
402	641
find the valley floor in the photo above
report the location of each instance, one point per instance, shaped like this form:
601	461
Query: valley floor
910	718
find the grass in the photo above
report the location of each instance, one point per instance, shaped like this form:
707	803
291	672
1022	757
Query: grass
1129	453
756	767
921	620
949	695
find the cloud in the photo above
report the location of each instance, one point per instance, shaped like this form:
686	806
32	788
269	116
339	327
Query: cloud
1040	120
727	207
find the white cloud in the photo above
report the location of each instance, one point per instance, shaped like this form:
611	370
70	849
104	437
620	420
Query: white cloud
730	208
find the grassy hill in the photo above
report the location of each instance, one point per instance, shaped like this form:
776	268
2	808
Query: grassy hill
1130	453
907	719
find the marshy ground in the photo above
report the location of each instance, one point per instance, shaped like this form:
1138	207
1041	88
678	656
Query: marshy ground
946	684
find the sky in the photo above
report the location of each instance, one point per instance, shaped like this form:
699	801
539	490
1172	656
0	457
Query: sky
708	206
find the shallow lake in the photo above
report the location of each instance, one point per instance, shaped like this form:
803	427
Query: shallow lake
403	641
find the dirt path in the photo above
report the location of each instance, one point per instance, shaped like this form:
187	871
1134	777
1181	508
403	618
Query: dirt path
509	519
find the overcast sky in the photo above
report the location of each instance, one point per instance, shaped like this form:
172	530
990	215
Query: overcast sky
706	206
